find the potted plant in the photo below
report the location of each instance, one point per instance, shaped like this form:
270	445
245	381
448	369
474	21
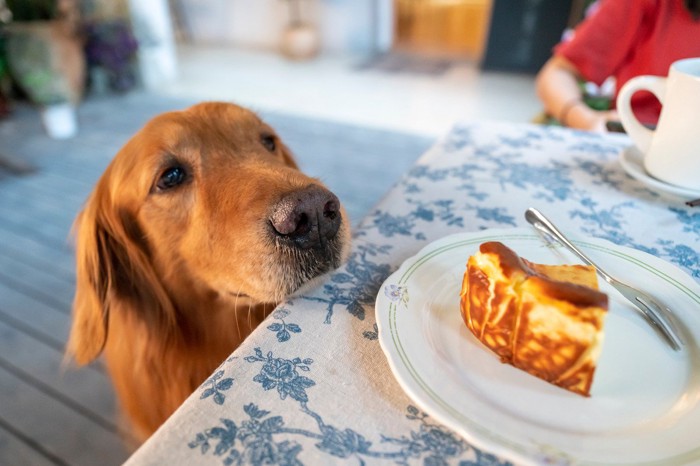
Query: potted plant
300	39
45	59
110	49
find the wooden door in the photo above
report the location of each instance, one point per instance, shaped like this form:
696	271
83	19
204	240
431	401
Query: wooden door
455	28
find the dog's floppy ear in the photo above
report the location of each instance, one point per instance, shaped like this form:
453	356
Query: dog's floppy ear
90	316
113	274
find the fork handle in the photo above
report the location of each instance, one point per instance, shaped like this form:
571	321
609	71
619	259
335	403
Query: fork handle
539	221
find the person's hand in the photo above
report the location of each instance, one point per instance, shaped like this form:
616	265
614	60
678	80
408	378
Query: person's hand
599	123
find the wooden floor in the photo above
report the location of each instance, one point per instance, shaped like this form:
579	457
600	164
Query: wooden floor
53	414
50	413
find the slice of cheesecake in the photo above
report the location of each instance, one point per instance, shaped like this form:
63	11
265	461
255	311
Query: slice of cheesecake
544	319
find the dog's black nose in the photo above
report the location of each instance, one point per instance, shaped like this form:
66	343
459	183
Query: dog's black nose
308	217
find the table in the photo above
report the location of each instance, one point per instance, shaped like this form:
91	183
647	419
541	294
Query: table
312	386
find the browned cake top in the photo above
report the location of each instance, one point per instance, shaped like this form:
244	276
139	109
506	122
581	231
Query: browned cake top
513	266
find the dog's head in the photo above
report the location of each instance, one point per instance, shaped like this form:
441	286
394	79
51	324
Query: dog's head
206	202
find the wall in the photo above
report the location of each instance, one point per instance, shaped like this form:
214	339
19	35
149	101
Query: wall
152	26
345	25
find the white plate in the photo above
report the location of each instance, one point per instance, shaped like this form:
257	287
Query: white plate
632	162
644	405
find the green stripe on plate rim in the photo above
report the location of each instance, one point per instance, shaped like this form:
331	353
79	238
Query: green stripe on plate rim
680	459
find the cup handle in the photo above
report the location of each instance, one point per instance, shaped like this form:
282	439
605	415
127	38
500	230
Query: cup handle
639	134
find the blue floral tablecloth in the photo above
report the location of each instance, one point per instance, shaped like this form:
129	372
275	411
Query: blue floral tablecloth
312	386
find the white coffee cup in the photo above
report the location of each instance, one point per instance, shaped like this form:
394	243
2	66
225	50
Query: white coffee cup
671	151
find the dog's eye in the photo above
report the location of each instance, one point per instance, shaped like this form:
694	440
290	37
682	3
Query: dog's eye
170	178
269	142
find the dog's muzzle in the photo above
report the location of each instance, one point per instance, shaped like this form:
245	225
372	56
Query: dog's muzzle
307	218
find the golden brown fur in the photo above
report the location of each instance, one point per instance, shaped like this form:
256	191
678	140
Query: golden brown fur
170	279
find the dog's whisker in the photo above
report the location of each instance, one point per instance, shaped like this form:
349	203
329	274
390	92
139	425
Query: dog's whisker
235	307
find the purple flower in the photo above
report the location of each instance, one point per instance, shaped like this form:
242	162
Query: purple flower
397	294
112	46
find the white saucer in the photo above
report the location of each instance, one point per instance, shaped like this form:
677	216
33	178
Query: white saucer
632	163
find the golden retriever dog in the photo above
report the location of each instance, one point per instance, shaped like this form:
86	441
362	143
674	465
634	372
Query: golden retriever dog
198	227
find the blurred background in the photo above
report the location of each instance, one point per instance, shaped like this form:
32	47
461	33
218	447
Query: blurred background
357	88
429	61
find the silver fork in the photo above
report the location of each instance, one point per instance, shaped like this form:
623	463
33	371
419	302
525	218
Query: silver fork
653	311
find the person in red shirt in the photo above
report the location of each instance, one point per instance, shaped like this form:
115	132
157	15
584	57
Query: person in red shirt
623	39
